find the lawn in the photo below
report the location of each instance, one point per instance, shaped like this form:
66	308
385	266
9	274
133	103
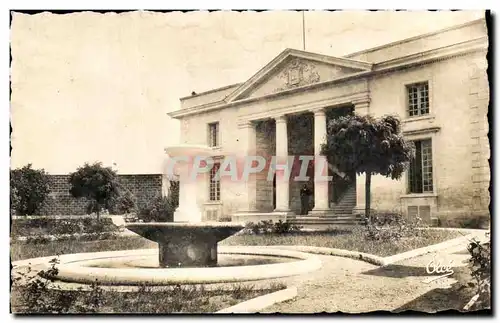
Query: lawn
24	250
348	239
175	299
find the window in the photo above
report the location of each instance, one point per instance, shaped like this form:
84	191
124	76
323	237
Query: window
214	183
213	134
420	174
418	99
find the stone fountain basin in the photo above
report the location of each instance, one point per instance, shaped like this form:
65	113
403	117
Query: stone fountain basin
185	244
78	268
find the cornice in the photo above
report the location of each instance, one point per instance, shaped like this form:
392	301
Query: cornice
410	39
434	55
187	97
306	107
421	131
426	57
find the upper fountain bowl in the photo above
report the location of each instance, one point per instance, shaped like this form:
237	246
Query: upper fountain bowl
189	150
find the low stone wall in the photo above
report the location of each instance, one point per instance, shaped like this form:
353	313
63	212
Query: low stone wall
60	202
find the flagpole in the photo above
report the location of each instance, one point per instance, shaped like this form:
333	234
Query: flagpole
303	30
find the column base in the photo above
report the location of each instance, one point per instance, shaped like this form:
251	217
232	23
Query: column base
283	212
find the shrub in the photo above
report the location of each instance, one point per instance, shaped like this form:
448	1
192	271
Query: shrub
52	226
162	208
15	200
466	222
97	183
480	266
267	227
125	203
391	227
31	188
38	297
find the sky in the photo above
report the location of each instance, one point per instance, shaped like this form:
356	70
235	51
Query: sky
97	87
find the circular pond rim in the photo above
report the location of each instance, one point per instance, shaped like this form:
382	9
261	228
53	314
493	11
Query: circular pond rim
70	268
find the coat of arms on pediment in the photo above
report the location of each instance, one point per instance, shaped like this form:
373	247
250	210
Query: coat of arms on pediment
298	73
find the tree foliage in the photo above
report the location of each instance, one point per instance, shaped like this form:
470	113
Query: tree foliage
125	203
97	183
29	189
363	144
162	208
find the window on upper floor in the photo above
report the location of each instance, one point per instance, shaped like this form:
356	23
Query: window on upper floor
214	187
420	172
213	134
418	99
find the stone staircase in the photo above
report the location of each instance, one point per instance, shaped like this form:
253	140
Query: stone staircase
341	215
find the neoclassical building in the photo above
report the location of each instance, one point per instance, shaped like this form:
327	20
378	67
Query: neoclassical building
436	83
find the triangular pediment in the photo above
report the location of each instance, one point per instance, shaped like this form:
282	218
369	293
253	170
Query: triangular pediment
293	69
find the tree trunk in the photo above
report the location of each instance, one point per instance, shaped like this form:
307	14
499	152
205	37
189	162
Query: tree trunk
368	183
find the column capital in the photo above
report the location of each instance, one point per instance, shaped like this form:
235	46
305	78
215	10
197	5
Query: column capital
281	119
246	124
361	102
318	112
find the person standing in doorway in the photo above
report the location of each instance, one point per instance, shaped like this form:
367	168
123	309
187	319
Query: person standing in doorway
305	193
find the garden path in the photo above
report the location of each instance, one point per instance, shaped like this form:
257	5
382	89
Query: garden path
352	286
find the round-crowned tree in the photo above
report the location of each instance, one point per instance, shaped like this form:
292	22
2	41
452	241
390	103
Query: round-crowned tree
98	184
29	189
363	144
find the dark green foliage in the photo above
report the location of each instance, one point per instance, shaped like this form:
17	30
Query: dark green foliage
480	266
162	208
363	144
392	227
98	184
39	227
125	203
35	294
267	227
468	222
158	210
29	189
15	200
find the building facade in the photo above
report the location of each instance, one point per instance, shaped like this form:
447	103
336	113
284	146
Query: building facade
436	83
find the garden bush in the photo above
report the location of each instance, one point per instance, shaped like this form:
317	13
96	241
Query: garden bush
36	227
161	208
268	227
466	222
125	203
15	200
480	266
29	189
392	227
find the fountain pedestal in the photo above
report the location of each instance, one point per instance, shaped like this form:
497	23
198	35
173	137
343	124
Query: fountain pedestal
181	252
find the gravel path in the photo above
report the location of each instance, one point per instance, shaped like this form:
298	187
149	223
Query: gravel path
353	286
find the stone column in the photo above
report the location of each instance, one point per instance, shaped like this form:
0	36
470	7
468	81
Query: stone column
282	181
248	148
361	107
321	200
